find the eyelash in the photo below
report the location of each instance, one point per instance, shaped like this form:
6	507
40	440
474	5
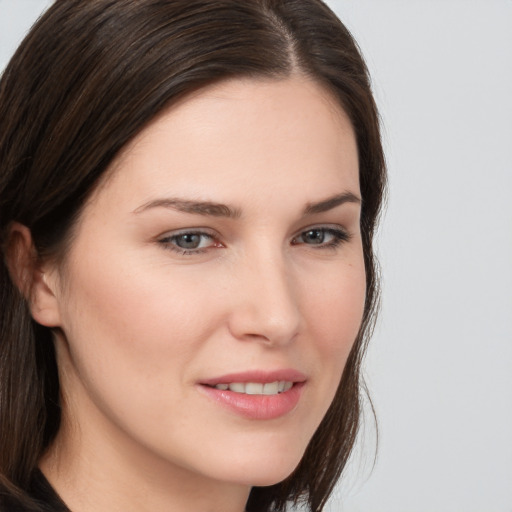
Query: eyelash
339	236
169	242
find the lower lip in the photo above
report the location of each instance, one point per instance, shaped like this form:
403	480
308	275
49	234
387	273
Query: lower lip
257	407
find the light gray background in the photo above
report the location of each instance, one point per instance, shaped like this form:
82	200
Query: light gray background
440	364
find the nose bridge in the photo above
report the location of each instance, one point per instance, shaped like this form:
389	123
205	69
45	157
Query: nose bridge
267	306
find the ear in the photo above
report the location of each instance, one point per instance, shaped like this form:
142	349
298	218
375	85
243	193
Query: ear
34	279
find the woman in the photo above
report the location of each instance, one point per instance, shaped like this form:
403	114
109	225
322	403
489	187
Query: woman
189	191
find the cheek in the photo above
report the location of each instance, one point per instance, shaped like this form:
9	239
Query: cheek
132	333
133	338
333	315
335	307
137	308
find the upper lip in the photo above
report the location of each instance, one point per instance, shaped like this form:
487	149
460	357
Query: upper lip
260	376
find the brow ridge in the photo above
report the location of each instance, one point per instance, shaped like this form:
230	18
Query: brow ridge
330	203
206	208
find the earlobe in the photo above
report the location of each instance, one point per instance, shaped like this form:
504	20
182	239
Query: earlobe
31	276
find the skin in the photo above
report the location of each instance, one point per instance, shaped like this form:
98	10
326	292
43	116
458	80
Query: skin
138	323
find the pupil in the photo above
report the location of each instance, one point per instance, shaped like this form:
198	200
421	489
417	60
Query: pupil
315	236
189	241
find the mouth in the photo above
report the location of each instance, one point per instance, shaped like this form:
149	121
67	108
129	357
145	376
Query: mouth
257	395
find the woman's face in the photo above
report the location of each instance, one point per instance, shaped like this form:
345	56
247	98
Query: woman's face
218	264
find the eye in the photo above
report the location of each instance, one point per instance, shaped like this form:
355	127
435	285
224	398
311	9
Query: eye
189	242
321	237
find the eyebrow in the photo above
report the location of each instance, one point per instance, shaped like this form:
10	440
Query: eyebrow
330	203
211	209
206	208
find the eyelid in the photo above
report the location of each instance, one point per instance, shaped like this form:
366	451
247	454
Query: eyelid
166	240
186	231
341	234
325	227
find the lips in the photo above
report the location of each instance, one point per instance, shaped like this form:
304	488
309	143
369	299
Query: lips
258	395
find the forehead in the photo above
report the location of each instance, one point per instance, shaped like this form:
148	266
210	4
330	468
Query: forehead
242	135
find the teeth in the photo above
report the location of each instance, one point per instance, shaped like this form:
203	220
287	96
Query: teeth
257	388
271	388
237	387
254	388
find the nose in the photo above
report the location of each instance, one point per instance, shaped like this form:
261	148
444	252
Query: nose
266	304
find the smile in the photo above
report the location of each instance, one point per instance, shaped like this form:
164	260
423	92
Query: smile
256	395
256	388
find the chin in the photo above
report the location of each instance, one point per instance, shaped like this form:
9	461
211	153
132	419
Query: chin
257	455
266	470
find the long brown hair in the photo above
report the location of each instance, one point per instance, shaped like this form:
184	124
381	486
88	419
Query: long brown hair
88	77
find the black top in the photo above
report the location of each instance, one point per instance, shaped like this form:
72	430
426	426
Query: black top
41	492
